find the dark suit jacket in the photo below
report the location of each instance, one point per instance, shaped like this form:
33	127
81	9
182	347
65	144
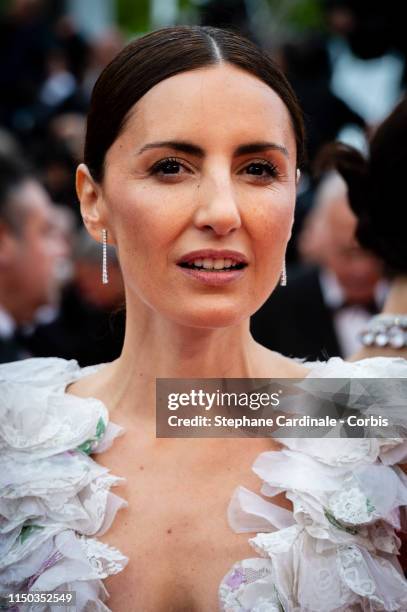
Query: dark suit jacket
82	332
295	321
10	350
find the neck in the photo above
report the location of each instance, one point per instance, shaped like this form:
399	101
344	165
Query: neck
396	301
156	347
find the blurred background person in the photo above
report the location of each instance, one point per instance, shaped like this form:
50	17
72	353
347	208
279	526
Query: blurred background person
376	192
30	249
309	70
102	50
89	325
332	295
57	154
368	46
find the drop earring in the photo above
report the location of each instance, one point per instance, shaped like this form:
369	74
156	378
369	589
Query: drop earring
283	277
105	277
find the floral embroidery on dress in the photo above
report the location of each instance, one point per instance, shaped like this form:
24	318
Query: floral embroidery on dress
54	498
89	446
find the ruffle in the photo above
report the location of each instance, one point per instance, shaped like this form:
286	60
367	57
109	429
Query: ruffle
54	498
336	551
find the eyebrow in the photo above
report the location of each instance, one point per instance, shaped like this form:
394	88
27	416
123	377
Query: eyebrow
188	147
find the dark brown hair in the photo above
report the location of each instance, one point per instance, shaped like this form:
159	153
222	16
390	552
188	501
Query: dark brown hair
147	61
377	187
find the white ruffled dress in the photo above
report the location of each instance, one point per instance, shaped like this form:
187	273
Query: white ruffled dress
336	552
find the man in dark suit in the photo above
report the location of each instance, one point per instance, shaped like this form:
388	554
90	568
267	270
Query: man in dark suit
327	302
295	320
90	323
29	250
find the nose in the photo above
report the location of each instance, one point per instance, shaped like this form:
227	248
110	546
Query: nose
217	208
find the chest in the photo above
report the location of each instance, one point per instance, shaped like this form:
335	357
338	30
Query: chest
175	529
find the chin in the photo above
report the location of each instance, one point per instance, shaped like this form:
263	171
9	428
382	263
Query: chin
212	318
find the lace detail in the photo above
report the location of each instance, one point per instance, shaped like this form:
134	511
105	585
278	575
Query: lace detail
354	569
351	506
53	495
235	590
337	550
104	559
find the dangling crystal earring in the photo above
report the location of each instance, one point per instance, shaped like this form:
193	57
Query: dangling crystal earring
283	277
105	278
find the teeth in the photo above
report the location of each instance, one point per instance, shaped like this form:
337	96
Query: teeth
214	264
207	263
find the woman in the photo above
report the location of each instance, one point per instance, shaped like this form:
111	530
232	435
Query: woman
193	145
376	186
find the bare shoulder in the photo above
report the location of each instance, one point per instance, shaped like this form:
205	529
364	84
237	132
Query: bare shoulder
92	384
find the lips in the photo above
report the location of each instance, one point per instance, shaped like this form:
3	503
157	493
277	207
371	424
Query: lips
213	267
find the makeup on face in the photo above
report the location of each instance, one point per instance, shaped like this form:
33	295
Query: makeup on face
200	187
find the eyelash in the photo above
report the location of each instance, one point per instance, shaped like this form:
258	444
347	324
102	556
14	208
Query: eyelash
269	167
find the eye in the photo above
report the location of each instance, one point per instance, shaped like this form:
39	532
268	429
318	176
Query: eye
262	169
170	166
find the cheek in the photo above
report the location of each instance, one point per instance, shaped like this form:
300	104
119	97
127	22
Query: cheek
155	209
147	221
272	221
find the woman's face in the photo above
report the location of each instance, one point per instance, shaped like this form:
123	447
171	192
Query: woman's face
206	160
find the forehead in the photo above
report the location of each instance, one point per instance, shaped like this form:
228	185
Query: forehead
218	105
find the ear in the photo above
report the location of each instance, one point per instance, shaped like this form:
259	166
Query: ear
93	208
